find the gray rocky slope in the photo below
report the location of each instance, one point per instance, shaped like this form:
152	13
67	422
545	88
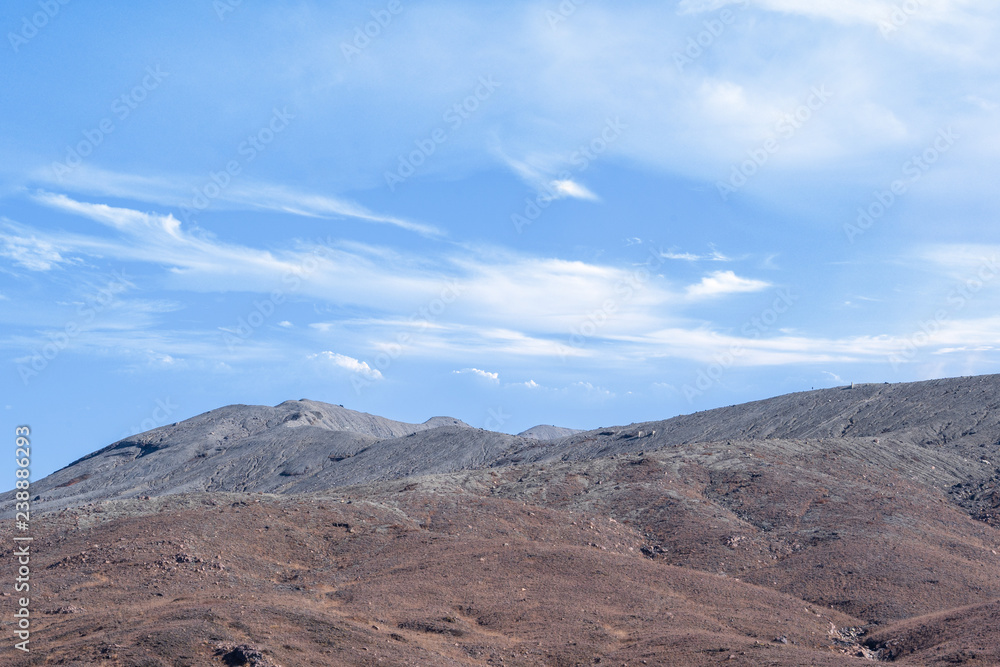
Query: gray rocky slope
548	432
303	446
295	446
959	414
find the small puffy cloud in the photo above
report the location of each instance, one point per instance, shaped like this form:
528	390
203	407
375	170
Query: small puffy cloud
591	390
349	363
492	377
719	283
158	359
285	324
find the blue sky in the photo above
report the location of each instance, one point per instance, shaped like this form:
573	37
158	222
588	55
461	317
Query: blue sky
538	212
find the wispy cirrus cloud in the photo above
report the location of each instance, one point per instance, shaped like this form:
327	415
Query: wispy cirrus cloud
506	305
200	261
516	296
838	11
712	256
27	250
287	200
174	191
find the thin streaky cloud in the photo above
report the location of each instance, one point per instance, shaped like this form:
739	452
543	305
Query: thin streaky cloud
173	192
713	256
279	198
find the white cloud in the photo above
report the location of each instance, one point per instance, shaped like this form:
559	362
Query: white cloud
726	100
29	251
157	359
198	261
544	295
610	61
497	303
720	283
278	198
713	256
963	260
285	324
483	287
539	171
838	11
460	304
492	377
171	191
348	363
454	340
686	256
570	188
591	390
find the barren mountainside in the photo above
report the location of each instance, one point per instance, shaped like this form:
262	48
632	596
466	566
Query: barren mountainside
833	527
305	445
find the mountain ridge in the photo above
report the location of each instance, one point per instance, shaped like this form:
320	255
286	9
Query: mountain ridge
304	445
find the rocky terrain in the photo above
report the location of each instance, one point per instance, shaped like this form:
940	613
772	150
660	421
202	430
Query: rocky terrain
832	527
